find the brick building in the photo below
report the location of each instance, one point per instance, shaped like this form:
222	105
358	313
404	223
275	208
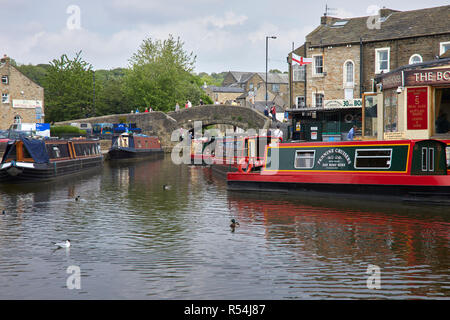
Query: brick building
22	99
349	54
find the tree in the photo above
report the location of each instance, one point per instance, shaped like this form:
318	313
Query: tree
69	89
160	75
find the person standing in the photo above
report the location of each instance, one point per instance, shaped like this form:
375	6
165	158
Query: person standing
266	111
177	107
277	133
351	133
189	104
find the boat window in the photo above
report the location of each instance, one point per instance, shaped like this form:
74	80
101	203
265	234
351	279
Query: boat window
304	159
431	159
373	158
447	153
424	159
56	151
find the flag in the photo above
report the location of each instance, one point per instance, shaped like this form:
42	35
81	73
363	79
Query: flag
300	60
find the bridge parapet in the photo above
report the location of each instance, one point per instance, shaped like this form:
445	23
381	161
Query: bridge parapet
162	124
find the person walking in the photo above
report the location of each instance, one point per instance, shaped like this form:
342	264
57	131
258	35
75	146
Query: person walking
273	111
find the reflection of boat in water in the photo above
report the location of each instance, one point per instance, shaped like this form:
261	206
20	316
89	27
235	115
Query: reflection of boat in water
132	146
31	159
230	153
417	169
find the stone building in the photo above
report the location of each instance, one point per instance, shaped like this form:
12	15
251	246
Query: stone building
254	86
349	54
22	99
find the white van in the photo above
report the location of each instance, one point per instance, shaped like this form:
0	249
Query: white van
23	127
83	126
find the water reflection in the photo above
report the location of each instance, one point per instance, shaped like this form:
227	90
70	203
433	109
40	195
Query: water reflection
133	239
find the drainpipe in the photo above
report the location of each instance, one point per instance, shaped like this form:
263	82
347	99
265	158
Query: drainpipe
361	70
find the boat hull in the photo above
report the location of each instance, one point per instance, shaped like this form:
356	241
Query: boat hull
436	188
13	172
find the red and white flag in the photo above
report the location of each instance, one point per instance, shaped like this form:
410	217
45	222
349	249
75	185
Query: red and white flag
300	60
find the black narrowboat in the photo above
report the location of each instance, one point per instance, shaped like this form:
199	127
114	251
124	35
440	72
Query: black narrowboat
30	159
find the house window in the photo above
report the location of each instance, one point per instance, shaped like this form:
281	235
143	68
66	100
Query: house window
298	72
349	73
250	86
300	101
415	58
382	60
318	100
373	158
5	98
5	79
276	87
304	159
444	46
318	65
17	119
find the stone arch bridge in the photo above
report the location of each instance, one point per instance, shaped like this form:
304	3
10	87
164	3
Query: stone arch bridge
162	124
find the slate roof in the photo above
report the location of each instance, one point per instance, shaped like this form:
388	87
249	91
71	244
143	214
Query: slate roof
242	77
226	89
399	24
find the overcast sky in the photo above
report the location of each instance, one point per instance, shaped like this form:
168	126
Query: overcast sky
224	34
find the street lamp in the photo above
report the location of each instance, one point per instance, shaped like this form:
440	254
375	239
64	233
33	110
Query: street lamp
267	51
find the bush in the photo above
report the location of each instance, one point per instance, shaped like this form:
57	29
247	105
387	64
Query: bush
58	130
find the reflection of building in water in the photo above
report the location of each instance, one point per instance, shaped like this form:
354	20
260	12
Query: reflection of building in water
341	233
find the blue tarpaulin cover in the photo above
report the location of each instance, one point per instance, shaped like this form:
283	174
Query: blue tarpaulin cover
36	149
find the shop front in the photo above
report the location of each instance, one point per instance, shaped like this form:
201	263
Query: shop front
413	103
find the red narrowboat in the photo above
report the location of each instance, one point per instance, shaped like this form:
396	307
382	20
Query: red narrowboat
398	168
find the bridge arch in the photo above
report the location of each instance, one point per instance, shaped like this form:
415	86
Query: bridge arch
163	124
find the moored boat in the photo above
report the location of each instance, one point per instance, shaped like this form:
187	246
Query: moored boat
230	153
397	168
130	146
30	159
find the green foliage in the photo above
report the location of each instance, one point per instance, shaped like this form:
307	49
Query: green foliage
160	75
57	130
68	89
36	73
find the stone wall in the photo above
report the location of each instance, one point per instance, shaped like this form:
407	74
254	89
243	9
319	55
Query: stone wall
163	125
21	88
400	52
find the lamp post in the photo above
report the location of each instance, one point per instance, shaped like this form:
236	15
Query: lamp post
267	51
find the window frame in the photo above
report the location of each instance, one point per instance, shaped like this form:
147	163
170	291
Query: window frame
5	101
413	56
7	79
314	69
298	73
345	73
442	45
305	151
373	168
377	61
315	100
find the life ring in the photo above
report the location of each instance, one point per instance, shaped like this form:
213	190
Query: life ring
247	170
348	118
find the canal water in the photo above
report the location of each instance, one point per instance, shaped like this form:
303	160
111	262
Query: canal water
132	239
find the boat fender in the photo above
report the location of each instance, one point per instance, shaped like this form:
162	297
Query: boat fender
247	170
348	118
